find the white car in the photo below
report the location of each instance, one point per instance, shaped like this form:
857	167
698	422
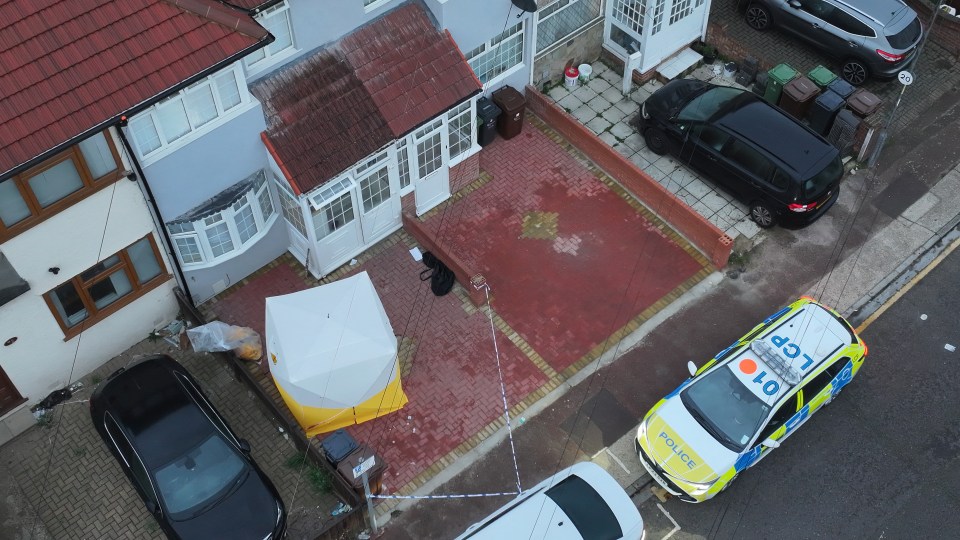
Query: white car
582	502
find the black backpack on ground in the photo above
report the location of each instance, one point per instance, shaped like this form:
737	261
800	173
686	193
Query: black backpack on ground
440	276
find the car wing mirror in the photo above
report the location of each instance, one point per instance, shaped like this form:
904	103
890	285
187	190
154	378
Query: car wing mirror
244	445
692	368
770	443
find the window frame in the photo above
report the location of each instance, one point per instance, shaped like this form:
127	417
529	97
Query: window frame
555	9
828	374
91	185
151	115
271	58
82	286
456	138
492	46
765	433
199	228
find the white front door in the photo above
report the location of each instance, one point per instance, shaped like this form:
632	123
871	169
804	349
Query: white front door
428	166
335	224
379	210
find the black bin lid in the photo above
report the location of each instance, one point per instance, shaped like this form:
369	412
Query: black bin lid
830	100
486	109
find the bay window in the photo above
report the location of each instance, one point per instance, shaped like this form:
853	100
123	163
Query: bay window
237	217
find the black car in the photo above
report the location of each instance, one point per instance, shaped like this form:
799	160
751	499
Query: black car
782	170
194	474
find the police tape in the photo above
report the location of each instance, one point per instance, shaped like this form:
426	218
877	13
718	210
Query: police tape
454	496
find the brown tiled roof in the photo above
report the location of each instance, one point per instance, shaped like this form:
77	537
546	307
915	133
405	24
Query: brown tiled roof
374	85
67	66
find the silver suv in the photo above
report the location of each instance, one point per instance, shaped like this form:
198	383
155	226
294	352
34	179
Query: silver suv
871	38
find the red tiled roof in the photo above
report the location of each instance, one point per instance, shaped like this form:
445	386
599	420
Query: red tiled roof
374	85
67	66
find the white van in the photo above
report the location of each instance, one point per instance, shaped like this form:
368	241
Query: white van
582	502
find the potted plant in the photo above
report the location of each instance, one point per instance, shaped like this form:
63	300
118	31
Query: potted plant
709	54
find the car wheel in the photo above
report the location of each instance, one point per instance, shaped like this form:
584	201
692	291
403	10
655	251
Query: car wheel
758	17
854	71
762	215
656	141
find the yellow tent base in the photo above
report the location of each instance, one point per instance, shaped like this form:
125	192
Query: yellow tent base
317	420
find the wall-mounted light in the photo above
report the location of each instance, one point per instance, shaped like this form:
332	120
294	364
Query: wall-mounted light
54	270
10	341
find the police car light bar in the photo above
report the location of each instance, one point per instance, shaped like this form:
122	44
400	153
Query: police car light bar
777	363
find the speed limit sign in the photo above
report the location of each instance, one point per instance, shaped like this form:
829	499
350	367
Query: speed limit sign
905	77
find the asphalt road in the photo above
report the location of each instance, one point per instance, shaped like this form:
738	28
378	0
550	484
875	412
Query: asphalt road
882	461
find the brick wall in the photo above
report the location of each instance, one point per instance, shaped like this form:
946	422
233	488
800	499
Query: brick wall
698	230
416	228
946	29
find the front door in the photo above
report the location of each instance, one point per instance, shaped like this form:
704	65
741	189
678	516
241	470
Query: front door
335	224
9	396
380	211
429	166
293	215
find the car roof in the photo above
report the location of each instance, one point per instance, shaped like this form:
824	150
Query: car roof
817	334
155	410
517	519
880	10
779	134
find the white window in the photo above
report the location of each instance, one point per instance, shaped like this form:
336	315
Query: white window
403	164
657	16
370	5
292	211
222	233
460	127
187	111
334	215
375	189
429	149
680	9
276	20
498	55
630	13
562	18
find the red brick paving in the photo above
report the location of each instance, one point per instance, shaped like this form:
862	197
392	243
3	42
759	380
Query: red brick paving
453	386
565	295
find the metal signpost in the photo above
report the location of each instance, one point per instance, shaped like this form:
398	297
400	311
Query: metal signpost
361	471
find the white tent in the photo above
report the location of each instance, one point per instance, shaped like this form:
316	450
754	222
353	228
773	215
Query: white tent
333	354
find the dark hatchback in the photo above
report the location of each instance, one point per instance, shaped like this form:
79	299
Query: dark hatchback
783	171
193	473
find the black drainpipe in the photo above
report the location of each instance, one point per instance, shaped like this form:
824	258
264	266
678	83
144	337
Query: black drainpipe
167	242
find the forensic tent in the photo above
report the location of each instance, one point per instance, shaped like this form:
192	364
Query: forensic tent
333	354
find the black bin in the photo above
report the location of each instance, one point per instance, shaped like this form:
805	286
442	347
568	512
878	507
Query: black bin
843	131
337	446
512	103
824	110
488	113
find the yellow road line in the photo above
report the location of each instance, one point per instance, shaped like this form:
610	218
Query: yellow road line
916	279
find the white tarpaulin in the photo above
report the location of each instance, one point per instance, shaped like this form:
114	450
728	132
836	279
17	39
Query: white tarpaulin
333	354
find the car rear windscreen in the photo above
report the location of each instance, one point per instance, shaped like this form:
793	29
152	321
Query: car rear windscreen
906	37
590	514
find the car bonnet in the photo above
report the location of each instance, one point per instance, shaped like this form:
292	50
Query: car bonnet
679	444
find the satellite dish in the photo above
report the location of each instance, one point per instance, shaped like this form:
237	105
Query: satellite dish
526	5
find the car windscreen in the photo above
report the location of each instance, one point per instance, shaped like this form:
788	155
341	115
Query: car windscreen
704	106
906	37
725	407
816	184
590	514
192	482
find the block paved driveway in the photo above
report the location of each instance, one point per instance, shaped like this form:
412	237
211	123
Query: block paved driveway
574	264
79	491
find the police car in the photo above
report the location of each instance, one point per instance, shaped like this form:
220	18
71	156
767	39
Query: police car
748	399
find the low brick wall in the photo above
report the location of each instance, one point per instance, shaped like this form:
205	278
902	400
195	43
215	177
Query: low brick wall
426	239
946	29
706	236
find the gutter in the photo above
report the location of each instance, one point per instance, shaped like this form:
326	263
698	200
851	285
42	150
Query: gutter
154	210
119	119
